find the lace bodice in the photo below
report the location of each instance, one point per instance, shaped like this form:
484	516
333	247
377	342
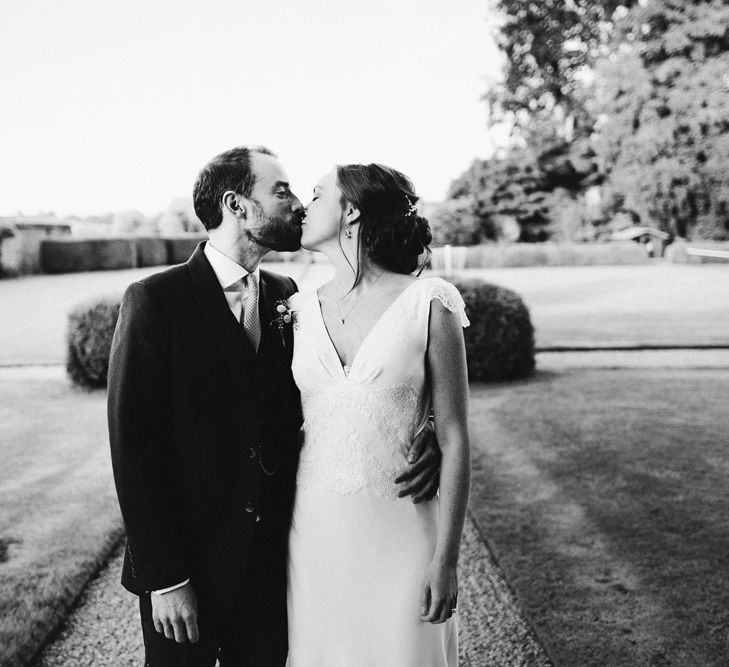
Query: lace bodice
359	422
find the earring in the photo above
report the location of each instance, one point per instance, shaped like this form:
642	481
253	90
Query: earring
348	233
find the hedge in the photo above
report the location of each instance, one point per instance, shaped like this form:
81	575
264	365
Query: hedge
151	250
500	340
121	252
90	331
179	248
68	255
544	254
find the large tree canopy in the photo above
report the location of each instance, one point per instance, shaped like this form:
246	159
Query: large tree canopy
526	186
550	48
635	93
663	99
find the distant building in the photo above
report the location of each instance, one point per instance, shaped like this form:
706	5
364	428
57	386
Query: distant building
20	239
654	240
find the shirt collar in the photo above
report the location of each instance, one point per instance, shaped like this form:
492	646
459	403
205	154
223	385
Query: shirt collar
228	272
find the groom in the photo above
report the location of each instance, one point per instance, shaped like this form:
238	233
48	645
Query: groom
204	419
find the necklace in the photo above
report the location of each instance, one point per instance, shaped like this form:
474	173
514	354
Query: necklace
357	302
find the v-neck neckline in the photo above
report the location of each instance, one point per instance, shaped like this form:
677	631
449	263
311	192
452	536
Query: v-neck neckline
343	367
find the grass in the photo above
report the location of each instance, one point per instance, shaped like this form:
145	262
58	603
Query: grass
602	492
35	308
666	304
59	515
603	496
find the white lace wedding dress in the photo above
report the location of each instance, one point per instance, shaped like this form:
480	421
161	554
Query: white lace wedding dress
358	553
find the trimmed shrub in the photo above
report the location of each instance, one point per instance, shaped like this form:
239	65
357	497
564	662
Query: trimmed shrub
500	340
70	255
179	248
549	254
90	331
151	251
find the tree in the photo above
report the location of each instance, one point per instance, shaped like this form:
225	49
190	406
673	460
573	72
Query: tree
453	222
179	218
529	188
550	49
663	99
131	221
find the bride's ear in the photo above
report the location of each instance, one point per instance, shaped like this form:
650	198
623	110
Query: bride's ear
351	213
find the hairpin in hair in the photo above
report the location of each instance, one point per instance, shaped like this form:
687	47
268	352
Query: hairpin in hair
412	209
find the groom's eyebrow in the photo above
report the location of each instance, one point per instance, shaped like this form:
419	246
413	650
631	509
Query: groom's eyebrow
279	184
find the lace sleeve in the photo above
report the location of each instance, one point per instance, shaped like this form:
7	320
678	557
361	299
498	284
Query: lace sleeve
451	298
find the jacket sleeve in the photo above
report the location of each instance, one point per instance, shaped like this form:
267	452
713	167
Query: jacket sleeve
140	433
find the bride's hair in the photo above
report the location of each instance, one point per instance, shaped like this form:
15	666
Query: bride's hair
392	233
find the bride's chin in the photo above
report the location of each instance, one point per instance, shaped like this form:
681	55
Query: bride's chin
307	243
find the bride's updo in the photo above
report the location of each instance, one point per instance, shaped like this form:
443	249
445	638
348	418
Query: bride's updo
392	234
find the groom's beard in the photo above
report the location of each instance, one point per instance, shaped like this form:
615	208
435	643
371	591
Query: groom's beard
276	232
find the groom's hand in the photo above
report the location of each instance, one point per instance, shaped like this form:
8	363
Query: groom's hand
422	476
175	614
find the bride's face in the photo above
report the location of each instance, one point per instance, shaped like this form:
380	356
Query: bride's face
324	214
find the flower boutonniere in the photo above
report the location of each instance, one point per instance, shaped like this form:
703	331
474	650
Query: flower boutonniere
285	317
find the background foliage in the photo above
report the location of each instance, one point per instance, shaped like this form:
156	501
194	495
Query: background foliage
632	97
664	109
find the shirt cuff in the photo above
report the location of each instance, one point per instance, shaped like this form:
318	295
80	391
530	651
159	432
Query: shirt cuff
162	591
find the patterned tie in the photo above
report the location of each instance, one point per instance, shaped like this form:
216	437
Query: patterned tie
249	317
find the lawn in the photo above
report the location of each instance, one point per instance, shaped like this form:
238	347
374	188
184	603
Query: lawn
603	494
659	304
35	308
59	515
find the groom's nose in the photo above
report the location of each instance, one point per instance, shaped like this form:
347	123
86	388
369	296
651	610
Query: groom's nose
296	205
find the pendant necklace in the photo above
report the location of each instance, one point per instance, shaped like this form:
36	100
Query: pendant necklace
356	303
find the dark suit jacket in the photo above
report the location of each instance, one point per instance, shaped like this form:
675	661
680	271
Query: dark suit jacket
184	429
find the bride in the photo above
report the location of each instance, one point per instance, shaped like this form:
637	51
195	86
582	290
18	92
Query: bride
372	577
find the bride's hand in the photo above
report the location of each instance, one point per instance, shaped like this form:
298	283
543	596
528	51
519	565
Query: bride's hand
439	593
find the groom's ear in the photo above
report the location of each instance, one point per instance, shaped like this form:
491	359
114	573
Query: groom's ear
233	205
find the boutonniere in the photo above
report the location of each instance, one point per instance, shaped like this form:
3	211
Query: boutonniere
285	317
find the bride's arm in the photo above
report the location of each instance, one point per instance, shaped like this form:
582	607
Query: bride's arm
449	389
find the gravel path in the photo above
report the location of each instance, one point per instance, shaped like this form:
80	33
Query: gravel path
679	358
103	631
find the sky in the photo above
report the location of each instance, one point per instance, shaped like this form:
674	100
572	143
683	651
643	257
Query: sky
110	105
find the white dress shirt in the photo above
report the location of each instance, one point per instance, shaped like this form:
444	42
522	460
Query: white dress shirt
230	275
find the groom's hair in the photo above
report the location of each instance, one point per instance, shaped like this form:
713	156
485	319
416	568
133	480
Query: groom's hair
230	170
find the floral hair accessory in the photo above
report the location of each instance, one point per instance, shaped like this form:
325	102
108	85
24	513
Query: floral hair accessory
412	209
285	317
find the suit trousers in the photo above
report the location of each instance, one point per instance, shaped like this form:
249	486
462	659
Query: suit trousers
252	634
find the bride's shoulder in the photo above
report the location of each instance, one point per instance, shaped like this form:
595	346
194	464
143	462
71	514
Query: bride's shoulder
436	288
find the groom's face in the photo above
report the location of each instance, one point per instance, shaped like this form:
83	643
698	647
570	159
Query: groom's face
277	211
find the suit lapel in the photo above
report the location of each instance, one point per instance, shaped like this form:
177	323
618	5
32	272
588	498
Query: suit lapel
227	332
